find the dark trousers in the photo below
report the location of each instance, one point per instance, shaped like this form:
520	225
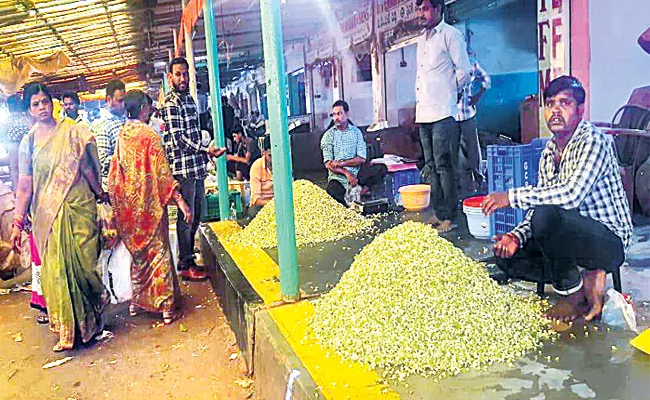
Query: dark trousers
253	210
440	160
562	240
369	175
193	191
467	167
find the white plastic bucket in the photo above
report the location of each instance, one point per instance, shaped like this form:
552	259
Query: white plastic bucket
477	222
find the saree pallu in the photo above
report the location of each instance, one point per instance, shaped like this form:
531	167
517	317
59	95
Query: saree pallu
140	186
66	232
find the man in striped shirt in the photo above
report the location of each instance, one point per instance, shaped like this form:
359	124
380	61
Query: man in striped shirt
579	214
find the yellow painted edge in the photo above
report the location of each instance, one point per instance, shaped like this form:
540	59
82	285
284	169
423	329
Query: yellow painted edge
337	379
257	266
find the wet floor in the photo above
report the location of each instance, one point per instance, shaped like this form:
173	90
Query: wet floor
590	361
194	358
586	362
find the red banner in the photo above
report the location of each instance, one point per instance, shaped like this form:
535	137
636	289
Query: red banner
191	14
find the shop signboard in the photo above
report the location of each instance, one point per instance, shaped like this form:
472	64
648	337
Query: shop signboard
320	46
356	27
392	12
553	47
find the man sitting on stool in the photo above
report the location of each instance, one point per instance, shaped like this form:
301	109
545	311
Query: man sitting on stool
344	154
579	215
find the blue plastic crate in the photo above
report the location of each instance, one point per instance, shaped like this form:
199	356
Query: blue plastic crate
511	167
396	180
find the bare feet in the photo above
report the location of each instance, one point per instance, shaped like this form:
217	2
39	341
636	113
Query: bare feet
435	221
446	226
59	348
594	287
569	308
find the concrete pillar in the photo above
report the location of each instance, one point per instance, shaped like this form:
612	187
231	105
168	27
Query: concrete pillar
378	83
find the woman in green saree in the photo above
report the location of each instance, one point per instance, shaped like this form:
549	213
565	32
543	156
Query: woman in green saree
59	184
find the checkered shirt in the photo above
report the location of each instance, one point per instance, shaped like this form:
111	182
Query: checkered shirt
479	77
339	145
182	136
588	180
106	129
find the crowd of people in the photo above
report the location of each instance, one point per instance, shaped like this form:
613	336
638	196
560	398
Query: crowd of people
67	167
578	214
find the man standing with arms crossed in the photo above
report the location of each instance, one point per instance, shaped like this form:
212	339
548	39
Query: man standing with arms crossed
443	71
187	158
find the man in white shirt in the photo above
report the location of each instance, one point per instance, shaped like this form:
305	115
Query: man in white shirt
443	71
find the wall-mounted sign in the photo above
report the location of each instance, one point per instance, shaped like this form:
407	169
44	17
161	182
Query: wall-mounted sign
392	12
553	47
356	27
320	46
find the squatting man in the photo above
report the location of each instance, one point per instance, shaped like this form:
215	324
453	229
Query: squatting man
578	213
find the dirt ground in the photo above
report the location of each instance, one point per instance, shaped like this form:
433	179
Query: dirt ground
194	358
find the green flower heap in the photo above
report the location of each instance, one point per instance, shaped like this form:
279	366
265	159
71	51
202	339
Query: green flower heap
412	303
318	218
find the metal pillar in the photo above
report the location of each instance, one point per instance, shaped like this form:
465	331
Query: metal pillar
215	104
175	35
189	55
280	146
165	84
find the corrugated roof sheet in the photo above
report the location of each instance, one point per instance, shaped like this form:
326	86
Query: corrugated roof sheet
100	37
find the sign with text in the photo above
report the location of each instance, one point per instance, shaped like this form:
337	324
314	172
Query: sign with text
356	27
553	47
391	12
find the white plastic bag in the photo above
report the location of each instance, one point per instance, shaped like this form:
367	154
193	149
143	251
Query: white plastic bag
116	273
618	312
353	194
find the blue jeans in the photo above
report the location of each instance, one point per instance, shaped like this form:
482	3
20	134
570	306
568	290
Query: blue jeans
440	161
193	191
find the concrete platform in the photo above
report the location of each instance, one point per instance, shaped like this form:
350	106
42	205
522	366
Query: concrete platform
587	362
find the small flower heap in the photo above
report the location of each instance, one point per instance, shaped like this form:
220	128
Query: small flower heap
318	218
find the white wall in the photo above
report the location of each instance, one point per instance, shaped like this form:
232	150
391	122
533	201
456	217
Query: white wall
400	85
618	64
323	99
357	94
504	39
294	57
